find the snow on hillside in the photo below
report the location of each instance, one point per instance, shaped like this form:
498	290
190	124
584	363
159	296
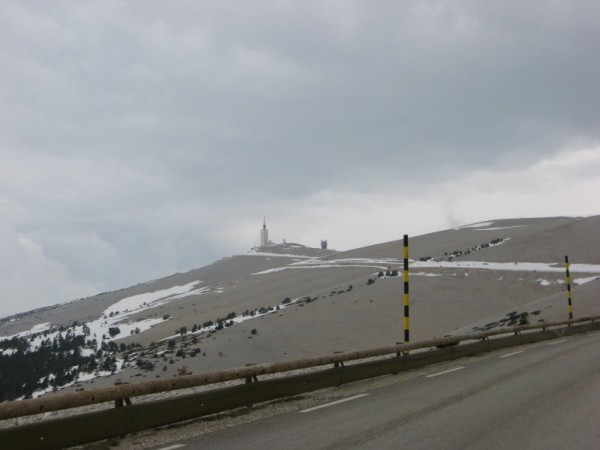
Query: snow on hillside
387	262
485	226
277	255
115	316
112	324
136	303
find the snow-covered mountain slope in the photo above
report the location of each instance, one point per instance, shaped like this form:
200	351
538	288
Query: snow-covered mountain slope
291	301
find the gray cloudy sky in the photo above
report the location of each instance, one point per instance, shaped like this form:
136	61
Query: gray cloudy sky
140	138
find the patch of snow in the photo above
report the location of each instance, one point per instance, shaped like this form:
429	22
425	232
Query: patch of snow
513	266
476	225
39	328
276	269
148	299
361	261
580	281
389	262
136	304
549	283
321	266
87	352
128	329
198	291
499	228
277	255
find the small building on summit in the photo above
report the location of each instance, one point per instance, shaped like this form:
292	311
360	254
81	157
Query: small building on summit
267	247
264	235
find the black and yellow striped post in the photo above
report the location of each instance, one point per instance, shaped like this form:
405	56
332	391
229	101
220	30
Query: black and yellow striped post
406	296
569	288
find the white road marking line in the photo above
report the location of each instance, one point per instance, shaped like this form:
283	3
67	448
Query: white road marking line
172	447
557	342
444	372
511	354
333	403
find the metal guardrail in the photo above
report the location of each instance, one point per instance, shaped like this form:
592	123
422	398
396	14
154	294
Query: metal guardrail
76	429
127	391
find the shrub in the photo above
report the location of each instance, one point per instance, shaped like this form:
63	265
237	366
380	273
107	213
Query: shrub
145	365
524	319
113	331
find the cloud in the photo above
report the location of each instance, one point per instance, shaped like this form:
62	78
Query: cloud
29	279
139	138
559	185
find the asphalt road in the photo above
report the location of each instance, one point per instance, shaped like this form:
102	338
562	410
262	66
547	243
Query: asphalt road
542	396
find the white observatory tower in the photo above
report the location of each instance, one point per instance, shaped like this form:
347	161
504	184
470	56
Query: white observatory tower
264	234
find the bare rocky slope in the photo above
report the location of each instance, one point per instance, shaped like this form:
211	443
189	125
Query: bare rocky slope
289	301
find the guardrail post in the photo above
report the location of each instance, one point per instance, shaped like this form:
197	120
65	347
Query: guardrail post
120	402
253	378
